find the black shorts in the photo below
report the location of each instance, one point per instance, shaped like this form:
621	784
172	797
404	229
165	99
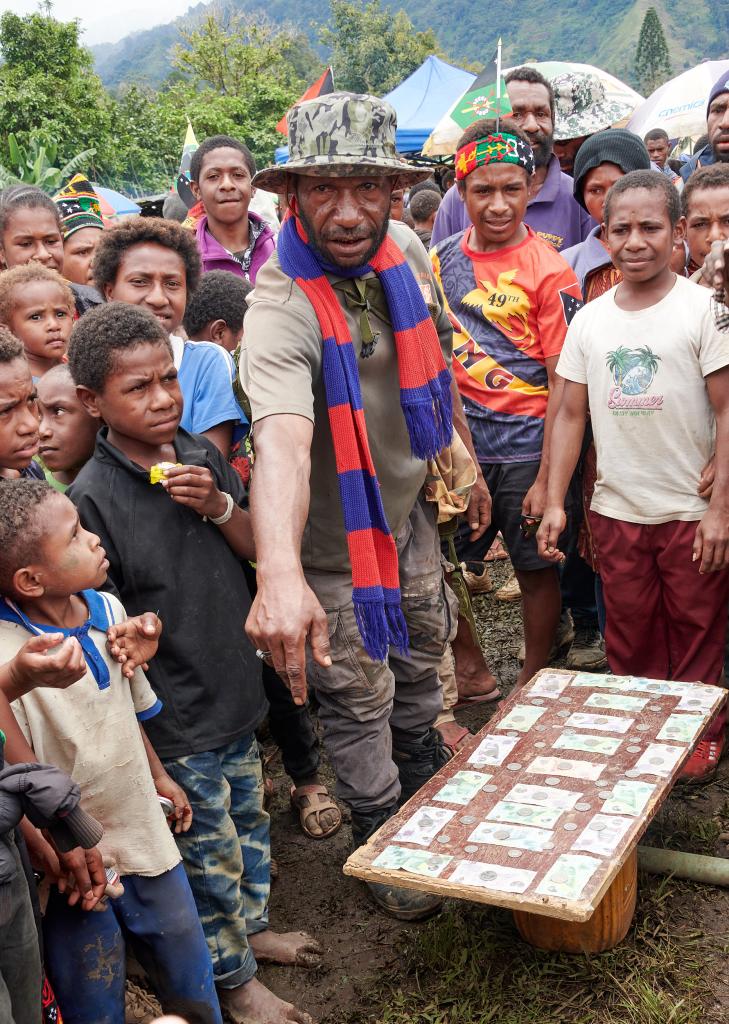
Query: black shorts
508	483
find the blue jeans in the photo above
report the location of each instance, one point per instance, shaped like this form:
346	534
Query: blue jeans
86	956
227	851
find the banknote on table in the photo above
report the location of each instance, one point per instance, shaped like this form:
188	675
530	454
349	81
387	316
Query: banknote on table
568	876
629	796
492	876
418	862
524	814
518	836
462	788
424	825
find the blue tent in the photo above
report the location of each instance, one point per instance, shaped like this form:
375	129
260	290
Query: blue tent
423	98
420	102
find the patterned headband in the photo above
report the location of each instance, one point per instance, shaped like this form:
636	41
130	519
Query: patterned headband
494	149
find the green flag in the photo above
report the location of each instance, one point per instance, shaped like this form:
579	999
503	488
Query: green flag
481	101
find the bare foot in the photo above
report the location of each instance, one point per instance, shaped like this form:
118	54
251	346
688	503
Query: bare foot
288	948
454	735
253	1003
473	676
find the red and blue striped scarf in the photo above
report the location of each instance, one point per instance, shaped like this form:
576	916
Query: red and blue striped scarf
425	399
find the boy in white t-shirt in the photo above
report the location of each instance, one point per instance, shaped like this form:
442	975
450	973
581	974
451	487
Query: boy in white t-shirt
648	360
49	569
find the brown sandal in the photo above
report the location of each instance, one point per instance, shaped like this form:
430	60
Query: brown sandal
314	799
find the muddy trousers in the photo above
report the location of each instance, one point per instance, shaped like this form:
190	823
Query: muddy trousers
86	955
375	713
20	968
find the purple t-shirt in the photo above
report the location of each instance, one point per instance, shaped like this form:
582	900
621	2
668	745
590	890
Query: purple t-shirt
554	213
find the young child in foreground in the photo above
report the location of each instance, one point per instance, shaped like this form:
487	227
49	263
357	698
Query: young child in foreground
648	359
179	544
37	305
50	567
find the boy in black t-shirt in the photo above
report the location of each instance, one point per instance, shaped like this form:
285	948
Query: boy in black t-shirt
178	543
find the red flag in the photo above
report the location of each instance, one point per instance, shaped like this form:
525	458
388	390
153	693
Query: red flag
321	87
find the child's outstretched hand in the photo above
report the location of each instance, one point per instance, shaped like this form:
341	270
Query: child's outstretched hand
166	786
133	643
194	486
45	660
553	523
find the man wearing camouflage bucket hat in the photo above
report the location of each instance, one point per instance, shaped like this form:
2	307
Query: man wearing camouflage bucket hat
346	363
581	108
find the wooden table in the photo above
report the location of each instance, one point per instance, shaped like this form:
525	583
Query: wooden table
542	810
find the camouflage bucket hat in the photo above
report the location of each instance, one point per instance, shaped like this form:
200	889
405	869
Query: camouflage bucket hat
341	134
581	106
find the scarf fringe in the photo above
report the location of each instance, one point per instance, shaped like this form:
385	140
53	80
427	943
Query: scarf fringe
430	424
381	626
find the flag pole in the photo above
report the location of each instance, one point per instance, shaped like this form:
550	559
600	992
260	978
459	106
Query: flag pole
498	83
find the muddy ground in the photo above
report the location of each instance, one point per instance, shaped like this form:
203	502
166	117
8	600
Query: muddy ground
364	959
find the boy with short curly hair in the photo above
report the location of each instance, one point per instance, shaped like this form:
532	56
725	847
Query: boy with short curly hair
179	544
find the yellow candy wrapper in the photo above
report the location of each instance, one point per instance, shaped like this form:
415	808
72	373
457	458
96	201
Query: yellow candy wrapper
158	472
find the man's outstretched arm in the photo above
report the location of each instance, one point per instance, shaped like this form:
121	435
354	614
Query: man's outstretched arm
285	612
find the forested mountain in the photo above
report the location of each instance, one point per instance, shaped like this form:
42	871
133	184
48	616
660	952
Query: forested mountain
601	32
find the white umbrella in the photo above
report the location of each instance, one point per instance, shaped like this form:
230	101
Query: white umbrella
679	106
442	141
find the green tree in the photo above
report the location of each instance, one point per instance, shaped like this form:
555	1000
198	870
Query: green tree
35	165
373	50
48	89
652	63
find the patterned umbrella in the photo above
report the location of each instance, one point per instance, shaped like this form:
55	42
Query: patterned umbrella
616	97
679	106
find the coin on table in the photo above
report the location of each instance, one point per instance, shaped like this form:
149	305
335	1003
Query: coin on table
582	807
489	788
513	735
467	819
537	701
632	773
551	781
633	749
540	744
548	846
513	853
605	794
540	728
443	839
503	833
564	714
565	700
514	766
642	727
470	848
569	826
655	707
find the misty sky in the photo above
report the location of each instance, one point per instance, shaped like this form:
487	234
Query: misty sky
119	17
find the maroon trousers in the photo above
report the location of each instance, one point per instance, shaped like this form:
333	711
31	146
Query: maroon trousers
664	619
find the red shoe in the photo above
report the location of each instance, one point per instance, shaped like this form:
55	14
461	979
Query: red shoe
704	761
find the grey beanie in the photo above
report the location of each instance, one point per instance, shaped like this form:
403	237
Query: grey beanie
613	146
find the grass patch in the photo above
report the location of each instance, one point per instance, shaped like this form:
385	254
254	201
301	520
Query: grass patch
675	827
469	966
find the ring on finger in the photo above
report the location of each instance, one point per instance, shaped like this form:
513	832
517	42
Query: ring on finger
262	654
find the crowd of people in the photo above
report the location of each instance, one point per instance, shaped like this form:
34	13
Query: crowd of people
322	422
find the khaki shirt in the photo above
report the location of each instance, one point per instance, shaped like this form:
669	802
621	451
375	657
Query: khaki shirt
280	368
93	735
